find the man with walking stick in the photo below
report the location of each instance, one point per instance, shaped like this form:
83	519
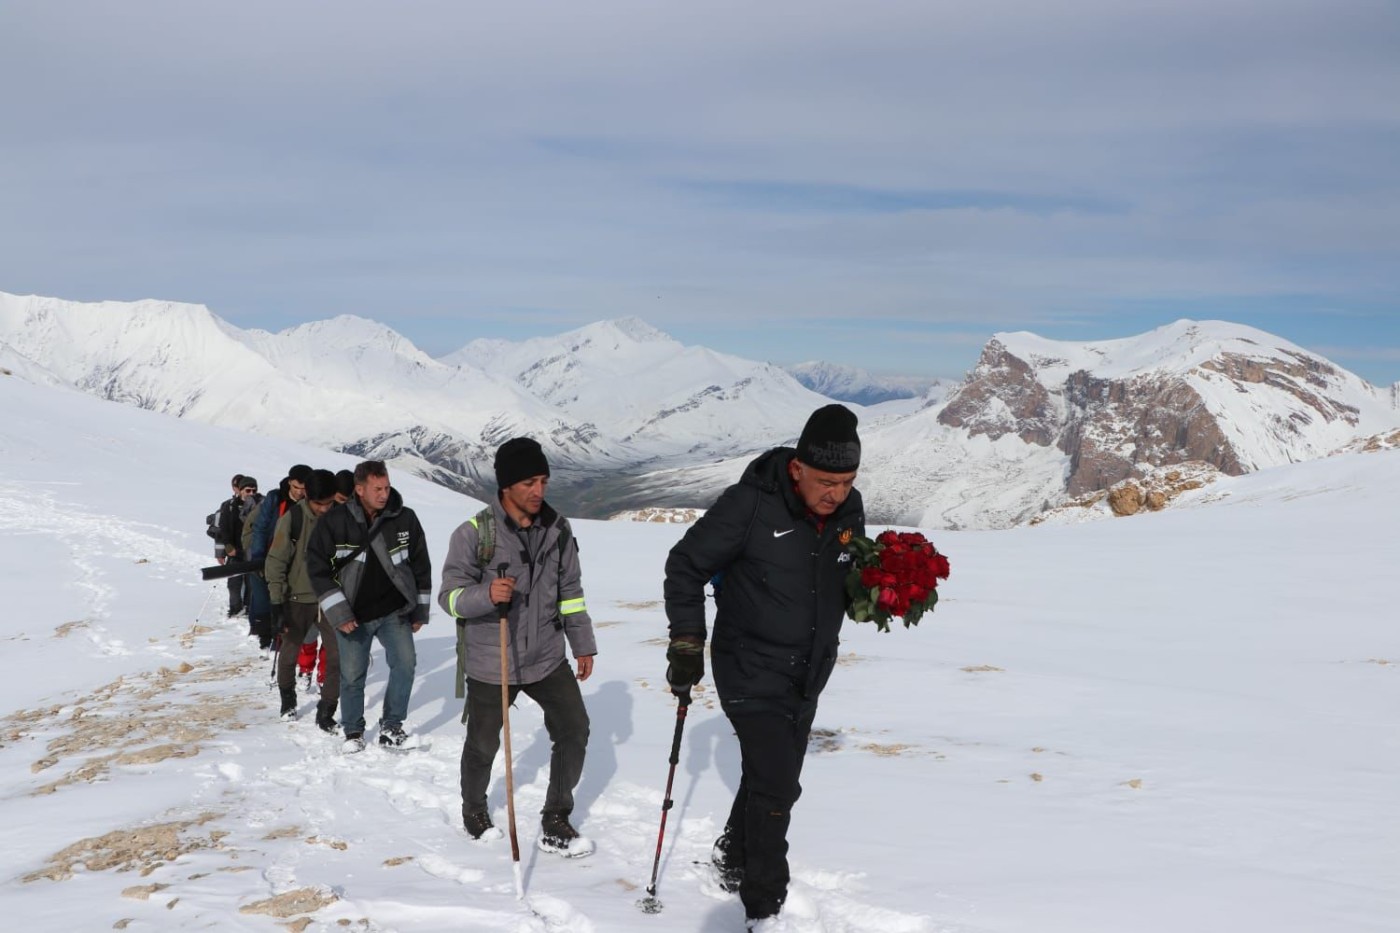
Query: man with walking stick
512	581
778	537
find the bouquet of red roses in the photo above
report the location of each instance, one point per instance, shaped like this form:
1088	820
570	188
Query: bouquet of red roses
896	574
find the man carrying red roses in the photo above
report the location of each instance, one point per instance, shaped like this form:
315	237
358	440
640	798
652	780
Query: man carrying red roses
779	538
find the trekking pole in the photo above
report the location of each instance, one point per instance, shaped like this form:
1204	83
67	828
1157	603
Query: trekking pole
651	904
504	610
276	650
205	605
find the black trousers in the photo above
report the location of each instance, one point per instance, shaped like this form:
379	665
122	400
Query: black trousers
772	748
299	619
565	719
235	594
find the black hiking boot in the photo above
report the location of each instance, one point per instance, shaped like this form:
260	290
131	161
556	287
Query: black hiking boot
393	736
728	862
477	824
289	702
557	835
325	716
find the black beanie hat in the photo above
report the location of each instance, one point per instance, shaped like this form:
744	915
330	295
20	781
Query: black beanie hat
829	441
320	486
301	473
519	458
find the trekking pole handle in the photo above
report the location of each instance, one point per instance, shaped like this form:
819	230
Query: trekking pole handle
501	569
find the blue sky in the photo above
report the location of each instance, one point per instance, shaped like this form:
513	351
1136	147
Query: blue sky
884	185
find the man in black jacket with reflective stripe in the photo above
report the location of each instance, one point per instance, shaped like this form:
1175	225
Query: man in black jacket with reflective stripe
368	564
778	540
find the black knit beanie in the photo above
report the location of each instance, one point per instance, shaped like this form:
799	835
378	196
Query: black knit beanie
519	458
829	441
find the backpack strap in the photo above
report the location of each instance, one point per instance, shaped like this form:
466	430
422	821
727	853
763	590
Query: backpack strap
296	523
485	524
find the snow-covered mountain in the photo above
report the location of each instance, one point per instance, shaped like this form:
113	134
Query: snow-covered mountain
606	401
656	395
852	384
631	418
347	384
1039	423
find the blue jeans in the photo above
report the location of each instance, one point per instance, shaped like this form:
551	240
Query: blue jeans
395	633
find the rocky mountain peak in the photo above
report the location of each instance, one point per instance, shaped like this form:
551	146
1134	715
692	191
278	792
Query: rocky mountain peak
1207	392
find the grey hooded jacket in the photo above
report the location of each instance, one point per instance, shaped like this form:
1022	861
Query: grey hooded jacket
547	609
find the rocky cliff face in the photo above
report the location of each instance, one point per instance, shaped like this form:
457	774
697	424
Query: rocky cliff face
1003	395
1117	425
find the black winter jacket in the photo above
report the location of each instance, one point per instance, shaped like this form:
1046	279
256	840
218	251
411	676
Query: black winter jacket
230	528
396	541
782	597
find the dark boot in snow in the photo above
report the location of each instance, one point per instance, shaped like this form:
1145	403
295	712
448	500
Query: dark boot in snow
289	703
325	716
728	862
479	824
558	836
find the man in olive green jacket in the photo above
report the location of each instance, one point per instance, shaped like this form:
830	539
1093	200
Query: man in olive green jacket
294	604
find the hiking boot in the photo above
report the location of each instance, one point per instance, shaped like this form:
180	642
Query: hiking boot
325	716
308	684
393	736
477	824
354	743
557	835
289	703
728	862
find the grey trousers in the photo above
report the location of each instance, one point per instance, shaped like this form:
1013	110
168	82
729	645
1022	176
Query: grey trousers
565	719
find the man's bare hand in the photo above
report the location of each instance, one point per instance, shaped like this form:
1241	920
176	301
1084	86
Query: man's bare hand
502	588
348	627
585	667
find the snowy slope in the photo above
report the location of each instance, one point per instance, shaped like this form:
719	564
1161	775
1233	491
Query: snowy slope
1118	726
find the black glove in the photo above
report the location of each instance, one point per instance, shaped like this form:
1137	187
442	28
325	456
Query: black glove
279	617
687	657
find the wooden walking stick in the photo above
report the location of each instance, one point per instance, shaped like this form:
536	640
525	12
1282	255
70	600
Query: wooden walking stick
504	609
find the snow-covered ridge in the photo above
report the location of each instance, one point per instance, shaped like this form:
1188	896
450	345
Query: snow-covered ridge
632	418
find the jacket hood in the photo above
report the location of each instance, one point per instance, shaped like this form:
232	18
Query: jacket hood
768	471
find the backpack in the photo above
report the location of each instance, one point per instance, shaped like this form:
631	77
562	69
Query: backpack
485	524
211	522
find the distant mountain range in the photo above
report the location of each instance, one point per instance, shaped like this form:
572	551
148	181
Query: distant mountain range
850	384
633	419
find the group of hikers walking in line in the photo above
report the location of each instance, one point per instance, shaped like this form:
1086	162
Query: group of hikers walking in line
345	560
